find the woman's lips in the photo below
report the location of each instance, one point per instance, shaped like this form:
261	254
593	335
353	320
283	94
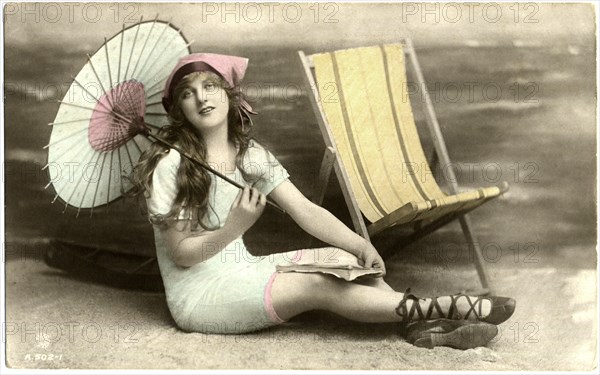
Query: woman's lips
206	110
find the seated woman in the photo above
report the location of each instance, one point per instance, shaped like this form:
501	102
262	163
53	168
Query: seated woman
212	283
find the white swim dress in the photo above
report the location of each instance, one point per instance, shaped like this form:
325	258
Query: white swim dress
231	291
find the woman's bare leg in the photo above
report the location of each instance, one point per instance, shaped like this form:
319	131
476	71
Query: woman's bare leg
294	293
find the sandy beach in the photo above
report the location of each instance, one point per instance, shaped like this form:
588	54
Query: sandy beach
55	321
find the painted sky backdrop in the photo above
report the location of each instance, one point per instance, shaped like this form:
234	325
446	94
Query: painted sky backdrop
46	43
318	25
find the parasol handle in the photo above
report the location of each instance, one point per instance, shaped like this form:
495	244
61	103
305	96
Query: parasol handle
211	170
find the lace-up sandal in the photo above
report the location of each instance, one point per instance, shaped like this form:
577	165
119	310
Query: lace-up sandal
458	334
501	308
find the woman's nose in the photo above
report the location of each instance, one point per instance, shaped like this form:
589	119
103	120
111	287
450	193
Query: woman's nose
201	96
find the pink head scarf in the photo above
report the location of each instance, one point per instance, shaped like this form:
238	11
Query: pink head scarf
231	68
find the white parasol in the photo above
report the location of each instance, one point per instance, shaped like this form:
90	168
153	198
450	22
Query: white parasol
119	85
110	111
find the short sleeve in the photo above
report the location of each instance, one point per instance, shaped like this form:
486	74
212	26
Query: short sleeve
260	162
164	184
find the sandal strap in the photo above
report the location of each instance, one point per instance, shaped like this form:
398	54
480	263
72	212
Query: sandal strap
472	305
453	309
416	306
435	305
430	309
402	310
475	308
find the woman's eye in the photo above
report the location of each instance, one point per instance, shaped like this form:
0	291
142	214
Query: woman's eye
209	86
187	94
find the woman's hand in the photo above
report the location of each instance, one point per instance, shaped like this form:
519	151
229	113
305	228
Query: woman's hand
322	224
369	257
187	248
245	210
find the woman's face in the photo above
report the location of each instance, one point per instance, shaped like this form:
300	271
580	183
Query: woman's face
205	103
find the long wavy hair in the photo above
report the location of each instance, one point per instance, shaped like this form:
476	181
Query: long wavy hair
193	183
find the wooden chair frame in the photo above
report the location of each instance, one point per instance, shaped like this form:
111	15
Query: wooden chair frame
440	155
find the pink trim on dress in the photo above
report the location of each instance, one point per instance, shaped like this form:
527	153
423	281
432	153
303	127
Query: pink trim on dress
268	301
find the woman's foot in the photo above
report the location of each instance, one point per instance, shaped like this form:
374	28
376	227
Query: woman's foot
494	310
459	334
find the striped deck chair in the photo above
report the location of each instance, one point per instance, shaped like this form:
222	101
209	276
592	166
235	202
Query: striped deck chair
365	116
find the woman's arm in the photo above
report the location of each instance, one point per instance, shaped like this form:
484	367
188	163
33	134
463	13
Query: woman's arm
187	248
320	223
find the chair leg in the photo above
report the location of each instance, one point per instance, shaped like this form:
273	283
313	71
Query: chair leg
444	159
465	224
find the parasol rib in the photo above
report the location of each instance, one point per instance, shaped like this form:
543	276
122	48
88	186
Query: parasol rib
120	166
144	47
67	137
97	110
153	103
99	81
110	172
129	100
129	156
108	67
156	92
142	74
139	149
133	47
120	54
85	191
78	182
97	185
153	126
67	122
153	48
110	110
164	77
81	146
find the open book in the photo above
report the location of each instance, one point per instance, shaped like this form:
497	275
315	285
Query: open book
342	271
